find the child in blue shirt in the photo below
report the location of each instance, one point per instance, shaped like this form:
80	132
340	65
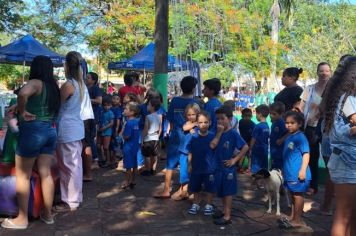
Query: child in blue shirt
117	111
296	172
259	141
189	128
246	127
105	130
211	90
130	135
278	134
226	142
202	165
176	120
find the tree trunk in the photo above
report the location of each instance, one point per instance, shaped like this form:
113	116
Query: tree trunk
160	78
275	13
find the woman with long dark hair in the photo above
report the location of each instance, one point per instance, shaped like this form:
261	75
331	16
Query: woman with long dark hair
70	135
341	90
38	104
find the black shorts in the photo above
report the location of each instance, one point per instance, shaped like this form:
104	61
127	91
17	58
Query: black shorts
89	132
149	148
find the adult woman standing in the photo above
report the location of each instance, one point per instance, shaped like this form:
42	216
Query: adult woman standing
70	134
290	95
341	90
38	103
309	105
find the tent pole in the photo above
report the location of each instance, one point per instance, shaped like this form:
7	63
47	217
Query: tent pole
23	73
144	76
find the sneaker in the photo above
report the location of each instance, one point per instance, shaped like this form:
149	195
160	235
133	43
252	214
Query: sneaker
194	209
208	210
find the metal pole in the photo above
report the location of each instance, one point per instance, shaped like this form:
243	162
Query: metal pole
23	72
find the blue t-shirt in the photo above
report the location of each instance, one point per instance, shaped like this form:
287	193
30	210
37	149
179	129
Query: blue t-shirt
105	119
203	161
246	128
261	135
176	111
132	133
187	136
95	92
229	142
278	130
211	106
294	147
117	111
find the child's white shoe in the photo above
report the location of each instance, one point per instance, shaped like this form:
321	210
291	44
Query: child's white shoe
208	210
194	209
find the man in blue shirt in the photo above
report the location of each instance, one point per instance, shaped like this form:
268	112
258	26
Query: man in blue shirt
96	97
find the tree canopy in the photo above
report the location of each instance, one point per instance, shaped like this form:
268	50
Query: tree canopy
222	35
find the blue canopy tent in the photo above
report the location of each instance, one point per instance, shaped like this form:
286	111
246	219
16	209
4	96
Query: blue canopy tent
144	61
23	50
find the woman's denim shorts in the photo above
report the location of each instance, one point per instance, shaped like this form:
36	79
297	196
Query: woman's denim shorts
340	172
36	138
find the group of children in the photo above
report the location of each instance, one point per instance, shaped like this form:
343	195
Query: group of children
208	144
130	130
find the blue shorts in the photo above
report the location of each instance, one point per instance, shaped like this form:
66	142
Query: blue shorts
36	138
297	186
197	180
130	158
226	183
258	162
340	172
173	154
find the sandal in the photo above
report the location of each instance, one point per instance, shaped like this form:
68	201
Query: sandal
63	208
180	196
222	221
125	186
217	214
46	220
8	224
285	224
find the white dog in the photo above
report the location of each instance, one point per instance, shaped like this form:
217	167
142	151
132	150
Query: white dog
272	181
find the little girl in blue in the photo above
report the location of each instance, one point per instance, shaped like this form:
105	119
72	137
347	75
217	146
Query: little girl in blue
176	120
105	129
130	135
259	141
296	172
189	128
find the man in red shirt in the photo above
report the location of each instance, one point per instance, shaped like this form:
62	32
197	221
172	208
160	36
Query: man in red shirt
128	87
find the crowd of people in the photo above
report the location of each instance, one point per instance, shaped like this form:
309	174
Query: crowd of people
204	139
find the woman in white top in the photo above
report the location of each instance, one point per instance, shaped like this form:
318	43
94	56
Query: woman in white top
309	105
70	135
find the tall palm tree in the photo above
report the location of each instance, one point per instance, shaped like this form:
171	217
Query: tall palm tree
275	12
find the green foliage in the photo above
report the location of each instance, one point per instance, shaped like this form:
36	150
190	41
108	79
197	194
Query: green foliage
10	15
224	73
316	37
11	75
224	34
